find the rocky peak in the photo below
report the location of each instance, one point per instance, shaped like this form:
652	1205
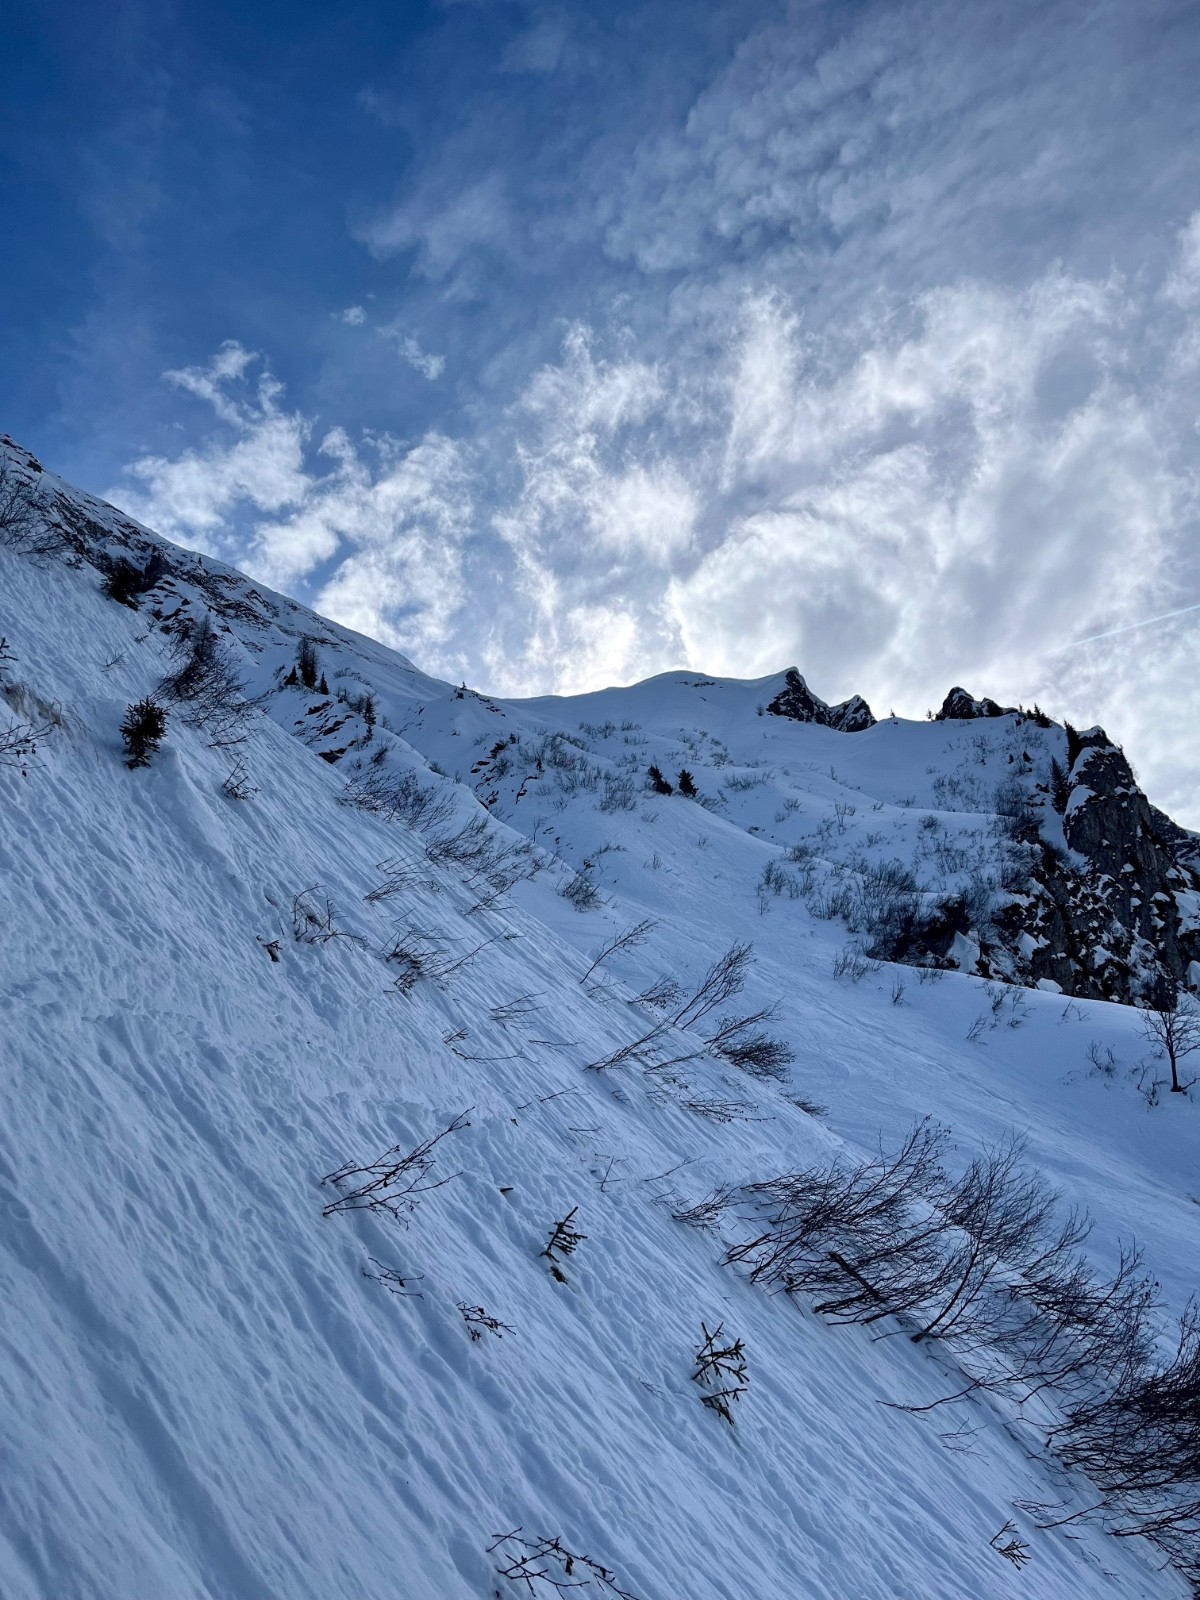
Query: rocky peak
797	701
959	706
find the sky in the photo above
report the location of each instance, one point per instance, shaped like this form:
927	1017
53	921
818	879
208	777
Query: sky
558	345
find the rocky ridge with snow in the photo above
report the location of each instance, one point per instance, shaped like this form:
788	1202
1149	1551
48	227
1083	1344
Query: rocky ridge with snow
376	1164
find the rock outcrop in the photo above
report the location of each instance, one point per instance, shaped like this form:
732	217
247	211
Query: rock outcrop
797	701
959	706
1116	915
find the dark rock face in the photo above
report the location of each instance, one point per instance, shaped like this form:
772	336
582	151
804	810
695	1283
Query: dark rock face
797	701
1109	919
958	706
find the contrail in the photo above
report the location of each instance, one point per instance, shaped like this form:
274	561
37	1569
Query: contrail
1128	628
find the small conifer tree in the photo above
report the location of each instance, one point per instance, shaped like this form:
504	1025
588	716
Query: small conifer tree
143	730
306	661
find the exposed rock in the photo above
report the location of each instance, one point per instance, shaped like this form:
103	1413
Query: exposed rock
1112	916
797	701
958	706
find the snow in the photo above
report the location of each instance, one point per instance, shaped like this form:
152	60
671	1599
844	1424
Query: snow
205	1397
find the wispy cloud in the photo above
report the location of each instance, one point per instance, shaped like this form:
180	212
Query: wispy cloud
429	365
381	525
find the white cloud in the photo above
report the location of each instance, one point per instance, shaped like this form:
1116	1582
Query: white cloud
430	366
394	523
352	316
259	462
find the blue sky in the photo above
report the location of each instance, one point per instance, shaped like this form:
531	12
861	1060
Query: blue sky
559	345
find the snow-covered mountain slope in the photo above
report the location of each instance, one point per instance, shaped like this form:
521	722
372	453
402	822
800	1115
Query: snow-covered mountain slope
213	1382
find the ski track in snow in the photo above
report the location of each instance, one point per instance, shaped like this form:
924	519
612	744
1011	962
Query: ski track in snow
202	1395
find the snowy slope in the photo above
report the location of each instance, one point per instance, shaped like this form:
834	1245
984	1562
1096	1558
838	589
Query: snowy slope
204	1393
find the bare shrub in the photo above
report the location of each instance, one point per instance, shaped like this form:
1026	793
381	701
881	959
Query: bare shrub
628	939
20	740
237	784
208	685
718	1109
395	1183
709	1211
1006	1543
1175	1031
725	978
565	1240
850	962
851	1232
522	1005
479	1322
629	1052
544	1567
721	1370
470	847
582	893
411	956
314	919
1102	1058
25	528
618	794
663	993
394	1281
398	796
742	1041
398	875
1139	1441
775	881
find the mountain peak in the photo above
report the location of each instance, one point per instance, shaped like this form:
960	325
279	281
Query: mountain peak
797	701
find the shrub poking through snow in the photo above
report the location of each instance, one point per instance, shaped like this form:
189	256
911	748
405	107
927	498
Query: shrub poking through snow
395	1183
581	892
394	1281
143	730
237	784
725	978
565	1239
19	743
479	1322
313	919
657	782
629	939
742	1041
545	1567
206	683
686	784
721	1371
1006	1543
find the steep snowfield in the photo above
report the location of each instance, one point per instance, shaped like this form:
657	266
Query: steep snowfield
203	1393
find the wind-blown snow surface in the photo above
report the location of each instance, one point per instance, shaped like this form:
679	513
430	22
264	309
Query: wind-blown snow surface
203	1395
